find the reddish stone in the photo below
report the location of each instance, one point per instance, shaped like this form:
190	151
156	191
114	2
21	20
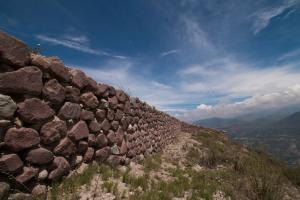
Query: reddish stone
22	138
62	168
72	94
110	114
58	70
123	148
101	140
113	102
121	95
34	111
54	92
78	78
11	163
69	111
115	138
39	156
119	114
89	100
115	125
92	140
101	89
102	154
53	131
28	174
105	125
13	51
65	147
114	160
82	146
100	114
79	131
91	85
127	107
27	80
86	115
40	61
89	154
94	126
112	91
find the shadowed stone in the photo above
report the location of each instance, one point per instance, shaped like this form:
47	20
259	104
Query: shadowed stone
65	147
62	168
69	111
11	163
53	131
54	92
39	156
28	174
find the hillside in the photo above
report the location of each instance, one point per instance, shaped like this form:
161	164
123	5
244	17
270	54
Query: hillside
280	136
65	136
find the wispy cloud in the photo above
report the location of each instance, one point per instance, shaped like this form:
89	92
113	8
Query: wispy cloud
79	43
263	17
166	53
291	54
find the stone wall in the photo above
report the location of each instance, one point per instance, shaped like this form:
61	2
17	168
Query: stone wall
53	118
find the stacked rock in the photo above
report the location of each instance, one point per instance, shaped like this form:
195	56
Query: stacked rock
53	118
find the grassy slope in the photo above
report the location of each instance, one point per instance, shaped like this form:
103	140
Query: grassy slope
237	172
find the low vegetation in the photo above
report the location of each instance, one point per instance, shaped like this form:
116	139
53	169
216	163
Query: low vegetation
224	168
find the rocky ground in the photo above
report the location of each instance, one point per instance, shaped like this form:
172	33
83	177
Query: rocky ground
185	170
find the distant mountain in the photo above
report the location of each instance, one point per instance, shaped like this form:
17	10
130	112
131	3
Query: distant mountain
279	132
291	121
217	122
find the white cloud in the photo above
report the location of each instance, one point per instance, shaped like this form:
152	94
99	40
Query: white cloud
238	79
263	17
204	107
79	43
166	53
288	96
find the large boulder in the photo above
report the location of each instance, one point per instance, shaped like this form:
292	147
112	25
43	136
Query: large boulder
20	139
65	147
39	156
7	107
89	100
27	80
79	131
13	51
11	163
53	131
54	92
62	168
34	111
69	111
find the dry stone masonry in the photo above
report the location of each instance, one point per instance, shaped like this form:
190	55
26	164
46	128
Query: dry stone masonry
53	118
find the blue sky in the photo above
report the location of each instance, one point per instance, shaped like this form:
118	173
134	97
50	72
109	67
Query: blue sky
192	58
